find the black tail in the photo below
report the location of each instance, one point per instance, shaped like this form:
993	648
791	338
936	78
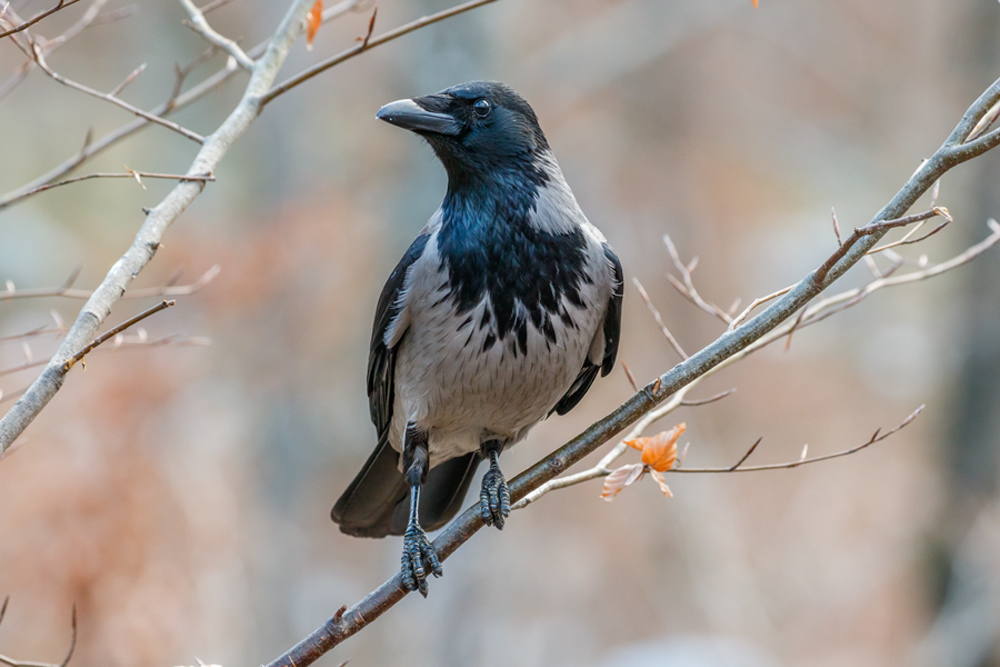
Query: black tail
377	503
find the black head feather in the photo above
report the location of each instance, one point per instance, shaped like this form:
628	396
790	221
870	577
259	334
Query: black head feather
476	129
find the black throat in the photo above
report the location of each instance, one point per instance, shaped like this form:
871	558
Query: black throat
489	247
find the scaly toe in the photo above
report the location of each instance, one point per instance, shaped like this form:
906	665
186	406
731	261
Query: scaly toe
418	552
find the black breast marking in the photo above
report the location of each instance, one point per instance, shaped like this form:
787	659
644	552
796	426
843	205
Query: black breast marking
489	247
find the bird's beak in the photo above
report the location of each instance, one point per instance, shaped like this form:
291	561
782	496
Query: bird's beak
409	115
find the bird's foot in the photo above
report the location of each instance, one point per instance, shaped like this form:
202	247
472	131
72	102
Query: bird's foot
494	499
419	557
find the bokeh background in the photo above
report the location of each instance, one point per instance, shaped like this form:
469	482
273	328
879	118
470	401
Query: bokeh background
179	495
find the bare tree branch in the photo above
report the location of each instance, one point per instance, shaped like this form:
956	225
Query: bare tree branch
62	4
877	437
111	333
129	79
686	285
659	320
367	43
200	25
130	174
66	290
35	52
89	16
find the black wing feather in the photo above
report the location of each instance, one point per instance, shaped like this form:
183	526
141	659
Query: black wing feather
612	333
381	358
366	507
613	317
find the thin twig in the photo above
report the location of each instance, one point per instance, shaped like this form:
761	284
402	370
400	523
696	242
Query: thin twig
834	304
34	333
69	363
711	399
121	342
66	289
39	57
803	460
30	663
741	318
368	43
875	229
90	15
129	79
130	174
687	288
985	122
628	374
747	455
62	4
200	25
659	320
907	240
212	6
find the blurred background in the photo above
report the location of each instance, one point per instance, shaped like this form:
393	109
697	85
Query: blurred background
179	495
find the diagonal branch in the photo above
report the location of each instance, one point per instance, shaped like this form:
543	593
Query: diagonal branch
370	42
111	333
659	319
62	4
89	16
36	53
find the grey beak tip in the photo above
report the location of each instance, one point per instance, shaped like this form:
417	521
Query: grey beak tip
409	115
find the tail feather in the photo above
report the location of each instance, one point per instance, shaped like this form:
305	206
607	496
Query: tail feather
365	508
377	502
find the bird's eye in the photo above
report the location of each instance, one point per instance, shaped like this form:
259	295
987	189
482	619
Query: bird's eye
482	108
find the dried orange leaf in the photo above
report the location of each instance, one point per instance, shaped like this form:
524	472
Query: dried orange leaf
620	478
658	478
659	452
313	22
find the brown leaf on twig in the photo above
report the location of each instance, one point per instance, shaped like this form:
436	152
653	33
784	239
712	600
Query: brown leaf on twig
662	483
313	22
659	452
620	478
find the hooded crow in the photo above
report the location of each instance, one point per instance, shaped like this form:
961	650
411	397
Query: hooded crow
502	311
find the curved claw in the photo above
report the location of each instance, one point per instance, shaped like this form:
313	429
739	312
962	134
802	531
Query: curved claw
418	552
494	499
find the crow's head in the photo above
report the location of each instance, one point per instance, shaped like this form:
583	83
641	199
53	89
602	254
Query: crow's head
476	128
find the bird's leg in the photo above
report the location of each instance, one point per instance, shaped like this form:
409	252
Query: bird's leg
417	548
494	499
